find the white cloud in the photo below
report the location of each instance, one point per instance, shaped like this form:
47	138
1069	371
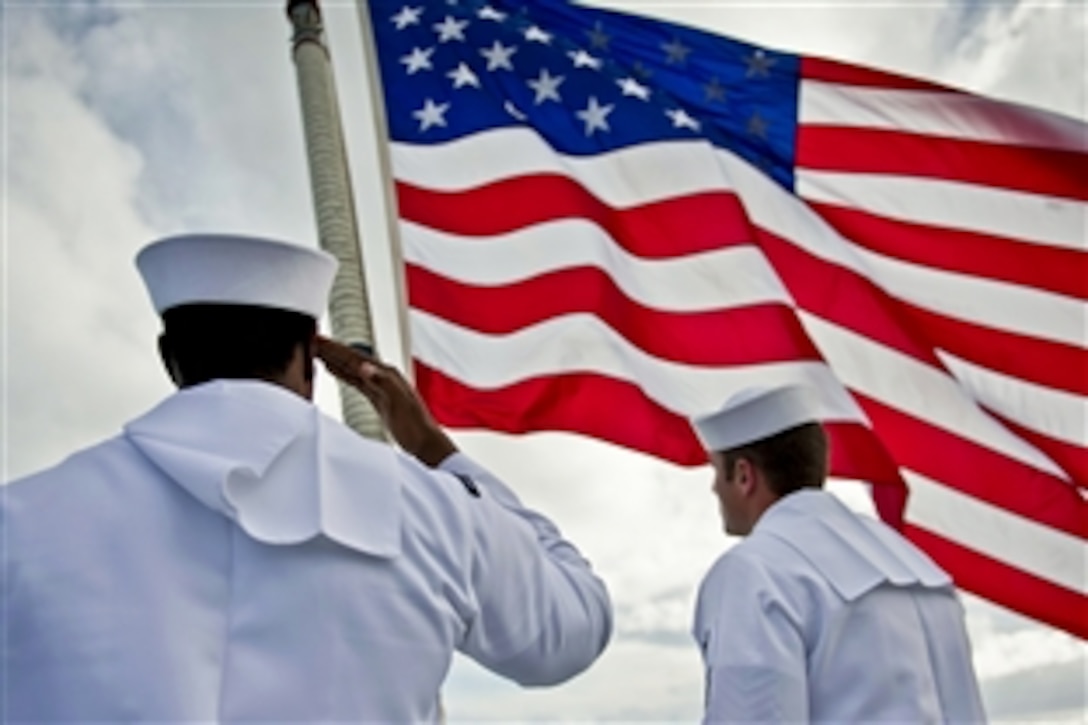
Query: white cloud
71	224
1002	56
651	528
123	125
1007	644
1049	693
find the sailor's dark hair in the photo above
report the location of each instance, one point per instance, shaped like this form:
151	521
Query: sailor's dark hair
791	460
212	341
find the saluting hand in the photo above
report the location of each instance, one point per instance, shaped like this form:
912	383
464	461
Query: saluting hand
400	407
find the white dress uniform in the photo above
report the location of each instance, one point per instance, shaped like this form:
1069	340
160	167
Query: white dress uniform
237	555
821	615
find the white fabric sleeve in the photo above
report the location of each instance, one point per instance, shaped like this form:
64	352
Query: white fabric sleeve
752	648
542	615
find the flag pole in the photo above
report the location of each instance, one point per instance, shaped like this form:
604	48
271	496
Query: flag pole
381	206
334	207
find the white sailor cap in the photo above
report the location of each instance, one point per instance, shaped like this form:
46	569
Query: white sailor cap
239	270
754	414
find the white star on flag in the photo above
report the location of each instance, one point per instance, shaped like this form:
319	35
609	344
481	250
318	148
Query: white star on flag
462	75
450	29
757	126
681	119
546	87
583	59
498	56
595	116
759	65
631	87
417	60
489	13
407	16
675	52
536	35
432	114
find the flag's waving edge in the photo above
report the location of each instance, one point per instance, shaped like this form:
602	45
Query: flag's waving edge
605	213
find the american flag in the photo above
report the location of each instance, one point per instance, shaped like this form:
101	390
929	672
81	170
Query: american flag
610	223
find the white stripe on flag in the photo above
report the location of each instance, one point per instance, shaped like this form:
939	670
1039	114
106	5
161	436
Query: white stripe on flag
953	205
679	168
623	178
994	532
917	389
582	343
987	303
1054	413
732	277
937	113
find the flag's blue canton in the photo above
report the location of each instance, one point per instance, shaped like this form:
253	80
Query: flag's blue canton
587	80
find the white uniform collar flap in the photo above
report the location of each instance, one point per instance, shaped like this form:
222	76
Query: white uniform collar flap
855	553
270	461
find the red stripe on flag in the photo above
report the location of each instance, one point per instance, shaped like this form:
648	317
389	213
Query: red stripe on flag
842	297
829	71
735	336
587	403
1048	363
669	228
856	453
1070	457
619	412
1063	271
1052	172
977	471
1011	587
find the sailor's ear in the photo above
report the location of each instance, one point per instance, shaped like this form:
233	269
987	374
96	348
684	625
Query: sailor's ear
748	476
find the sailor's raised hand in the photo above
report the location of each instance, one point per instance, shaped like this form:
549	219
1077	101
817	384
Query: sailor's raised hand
402	410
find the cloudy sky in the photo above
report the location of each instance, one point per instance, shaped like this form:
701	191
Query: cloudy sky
126	121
